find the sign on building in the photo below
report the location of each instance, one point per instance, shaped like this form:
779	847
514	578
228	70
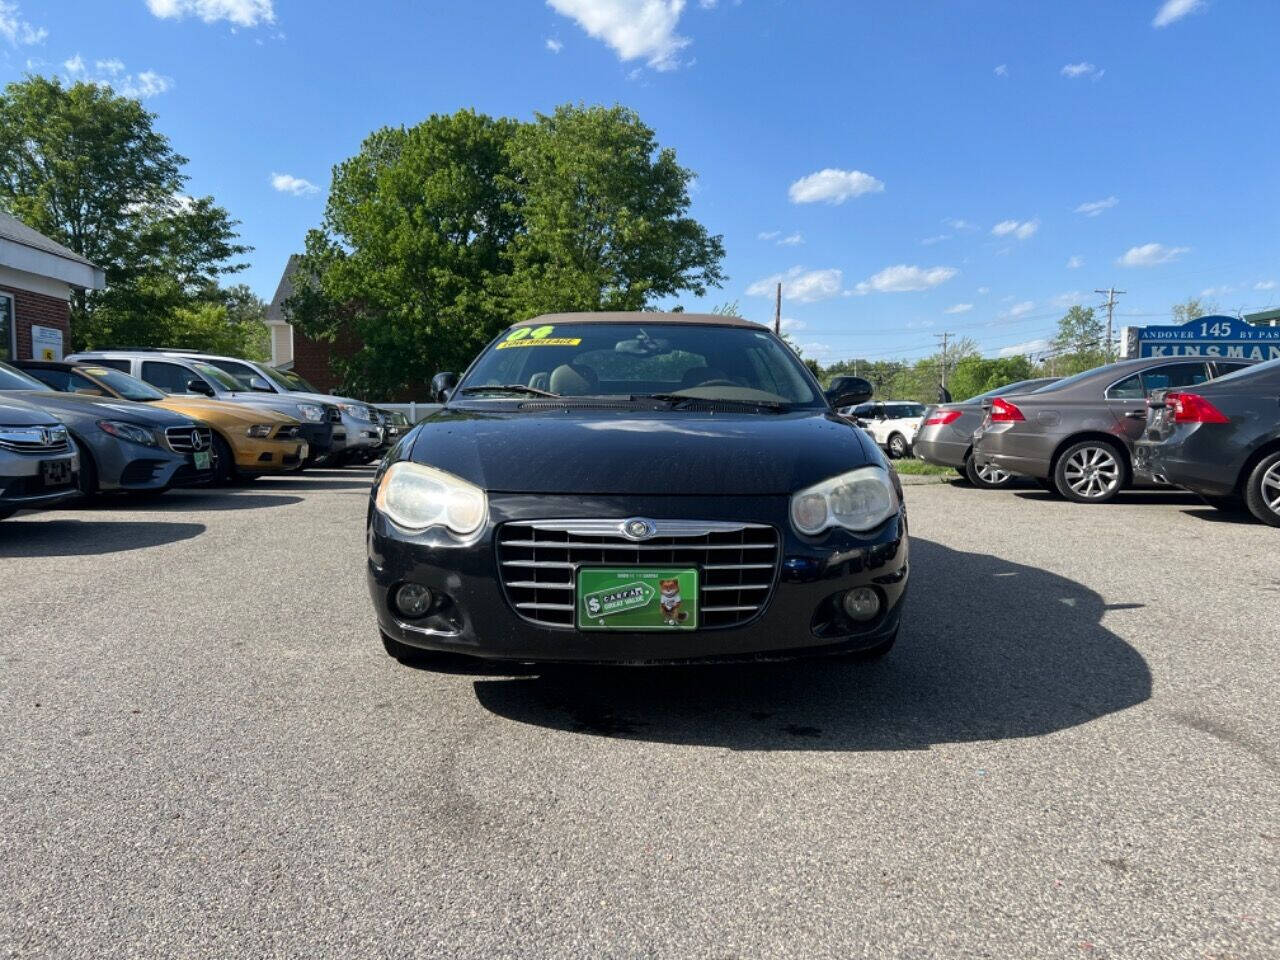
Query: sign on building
1204	337
46	343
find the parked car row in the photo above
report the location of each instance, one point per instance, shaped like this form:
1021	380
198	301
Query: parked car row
893	424
145	421
1210	426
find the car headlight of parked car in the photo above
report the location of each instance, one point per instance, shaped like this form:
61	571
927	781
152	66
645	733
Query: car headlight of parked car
416	497
358	411
857	500
259	431
128	431
312	412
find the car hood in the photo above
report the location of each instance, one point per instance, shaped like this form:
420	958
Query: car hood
222	412
641	452
16	413
101	408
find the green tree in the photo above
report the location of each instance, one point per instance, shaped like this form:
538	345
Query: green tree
1080	343
1192	308
87	168
437	236
974	375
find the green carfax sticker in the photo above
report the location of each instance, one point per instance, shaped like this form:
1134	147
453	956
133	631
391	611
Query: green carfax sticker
637	598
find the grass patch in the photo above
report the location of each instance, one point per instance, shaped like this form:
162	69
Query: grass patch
918	468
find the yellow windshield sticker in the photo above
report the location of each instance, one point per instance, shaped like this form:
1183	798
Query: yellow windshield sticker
96	371
537	337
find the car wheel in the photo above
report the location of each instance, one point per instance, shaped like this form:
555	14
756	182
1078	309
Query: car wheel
1092	471
963	471
87	478
224	463
986	476
897	446
412	656
1262	490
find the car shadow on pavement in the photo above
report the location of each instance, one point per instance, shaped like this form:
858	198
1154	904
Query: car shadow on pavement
307	484
990	650
1150	495
85	538
186	500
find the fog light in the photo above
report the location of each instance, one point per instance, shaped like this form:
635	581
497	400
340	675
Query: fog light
412	600
861	604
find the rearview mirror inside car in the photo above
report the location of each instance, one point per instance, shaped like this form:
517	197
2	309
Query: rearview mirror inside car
442	385
849	391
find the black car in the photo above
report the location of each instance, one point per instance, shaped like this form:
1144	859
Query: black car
1220	440
637	488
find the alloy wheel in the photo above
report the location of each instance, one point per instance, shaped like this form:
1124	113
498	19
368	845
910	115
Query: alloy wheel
1271	488
992	474
1093	472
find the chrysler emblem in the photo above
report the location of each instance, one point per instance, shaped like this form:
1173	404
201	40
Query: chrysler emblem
638	528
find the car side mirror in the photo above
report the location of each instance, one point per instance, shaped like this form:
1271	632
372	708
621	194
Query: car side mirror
199	386
849	391
260	385
442	386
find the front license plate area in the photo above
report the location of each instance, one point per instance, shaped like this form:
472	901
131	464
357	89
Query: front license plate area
637	598
55	473
202	460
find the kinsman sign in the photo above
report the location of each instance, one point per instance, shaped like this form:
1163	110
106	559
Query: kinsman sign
1205	337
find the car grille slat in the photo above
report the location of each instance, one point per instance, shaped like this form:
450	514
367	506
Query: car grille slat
533	556
183	439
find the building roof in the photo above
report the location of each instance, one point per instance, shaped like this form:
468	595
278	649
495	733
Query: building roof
23	248
275	312
638	316
11	228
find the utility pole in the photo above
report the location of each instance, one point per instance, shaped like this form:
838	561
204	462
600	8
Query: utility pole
777	312
1110	305
945	338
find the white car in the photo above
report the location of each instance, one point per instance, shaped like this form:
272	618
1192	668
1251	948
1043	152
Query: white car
893	424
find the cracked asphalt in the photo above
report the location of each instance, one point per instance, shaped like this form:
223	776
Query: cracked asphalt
206	753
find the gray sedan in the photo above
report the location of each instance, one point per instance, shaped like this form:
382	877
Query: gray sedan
1076	436
124	446
946	437
1221	441
38	464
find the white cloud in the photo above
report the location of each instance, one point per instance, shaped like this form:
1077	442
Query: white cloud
1002	70
792	240
984	290
554	45
1095	207
959	308
1265	285
957	224
801	285
790	325
19	32
930	241
288	183
635	29
112	67
74	65
1216	291
1023	229
814	351
768	234
1082	69
833	186
1069	299
905	279
243	13
1021	349
1021	309
1075	262
111	73
1173	10
1150	255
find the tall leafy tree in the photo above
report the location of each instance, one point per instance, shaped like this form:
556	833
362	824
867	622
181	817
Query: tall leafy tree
1192	308
1079	344
87	168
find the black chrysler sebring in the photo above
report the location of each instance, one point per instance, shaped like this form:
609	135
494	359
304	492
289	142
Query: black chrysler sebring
637	488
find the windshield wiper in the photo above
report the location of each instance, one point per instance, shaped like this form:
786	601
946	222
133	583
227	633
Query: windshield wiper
510	388
676	399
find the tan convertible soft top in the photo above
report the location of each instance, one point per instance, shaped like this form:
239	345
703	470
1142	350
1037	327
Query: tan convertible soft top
639	316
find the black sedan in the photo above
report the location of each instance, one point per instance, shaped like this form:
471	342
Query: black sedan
637	488
1220	440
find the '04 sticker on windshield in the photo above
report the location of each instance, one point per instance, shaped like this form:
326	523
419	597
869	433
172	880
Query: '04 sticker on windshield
537	337
637	598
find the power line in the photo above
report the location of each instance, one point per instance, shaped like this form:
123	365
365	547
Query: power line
1111	306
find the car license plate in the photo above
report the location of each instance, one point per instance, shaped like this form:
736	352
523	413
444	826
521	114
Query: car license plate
637	598
202	459
55	473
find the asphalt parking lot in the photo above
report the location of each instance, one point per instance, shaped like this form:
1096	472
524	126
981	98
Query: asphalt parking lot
1071	753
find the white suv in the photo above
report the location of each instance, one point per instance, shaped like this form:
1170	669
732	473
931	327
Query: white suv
893	424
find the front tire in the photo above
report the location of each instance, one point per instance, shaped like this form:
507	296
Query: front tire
1262	490
87	478
1091	471
897	446
986	477
224	463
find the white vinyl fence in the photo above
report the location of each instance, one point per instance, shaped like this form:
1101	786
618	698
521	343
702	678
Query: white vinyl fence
414	411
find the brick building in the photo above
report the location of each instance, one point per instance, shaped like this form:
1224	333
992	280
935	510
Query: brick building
293	350
37	277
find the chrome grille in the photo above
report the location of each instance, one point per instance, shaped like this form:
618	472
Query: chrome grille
42	439
288	431
188	439
737	564
333	413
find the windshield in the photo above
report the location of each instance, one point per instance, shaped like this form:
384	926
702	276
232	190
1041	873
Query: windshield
1072	381
698	361
290	381
11	379
129	388
223	379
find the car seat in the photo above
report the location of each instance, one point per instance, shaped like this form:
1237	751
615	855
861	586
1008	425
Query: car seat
571	380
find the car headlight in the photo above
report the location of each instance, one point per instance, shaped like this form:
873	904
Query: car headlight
259	431
357	410
128	431
857	500
311	411
415	496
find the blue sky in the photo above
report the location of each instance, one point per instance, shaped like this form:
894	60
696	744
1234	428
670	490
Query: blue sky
905	167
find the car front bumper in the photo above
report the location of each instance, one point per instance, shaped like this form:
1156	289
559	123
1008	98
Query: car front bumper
268	456
21	486
801	616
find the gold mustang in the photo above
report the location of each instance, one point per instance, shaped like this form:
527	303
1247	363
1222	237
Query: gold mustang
247	441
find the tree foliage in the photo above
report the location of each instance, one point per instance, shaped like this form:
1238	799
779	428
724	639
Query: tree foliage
1193	308
1080	343
87	168
438	235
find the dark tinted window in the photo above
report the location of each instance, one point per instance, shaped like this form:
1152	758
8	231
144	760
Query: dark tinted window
58	379
121	365
1224	367
1174	375
168	377
242	372
1130	389
11	379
